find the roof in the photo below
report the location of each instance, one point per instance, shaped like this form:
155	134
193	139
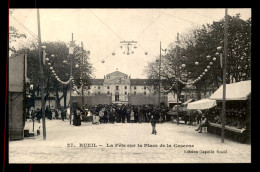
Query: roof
139	82
202	104
97	81
188	101
116	73
235	91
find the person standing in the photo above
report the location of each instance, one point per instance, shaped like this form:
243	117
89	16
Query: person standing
132	117
63	114
154	118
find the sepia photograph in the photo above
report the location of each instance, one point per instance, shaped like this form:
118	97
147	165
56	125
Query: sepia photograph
129	85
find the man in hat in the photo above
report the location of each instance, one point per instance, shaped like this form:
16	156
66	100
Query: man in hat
203	123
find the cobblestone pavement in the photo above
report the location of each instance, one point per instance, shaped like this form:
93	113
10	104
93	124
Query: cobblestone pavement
187	146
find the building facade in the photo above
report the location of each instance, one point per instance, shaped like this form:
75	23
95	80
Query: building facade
119	86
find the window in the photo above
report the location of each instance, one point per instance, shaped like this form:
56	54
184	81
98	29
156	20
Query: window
145	87
135	87
117	87
98	87
125	93
108	77
135	93
125	87
88	92
108	92
107	87
98	92
145	93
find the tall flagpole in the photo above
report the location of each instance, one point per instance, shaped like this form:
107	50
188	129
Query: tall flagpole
224	77
42	81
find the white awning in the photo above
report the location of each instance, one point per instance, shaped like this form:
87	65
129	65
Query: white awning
202	104
235	91
188	101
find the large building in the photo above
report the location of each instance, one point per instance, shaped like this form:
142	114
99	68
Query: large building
121	88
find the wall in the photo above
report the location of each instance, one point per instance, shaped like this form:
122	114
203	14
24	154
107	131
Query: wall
140	99
16	115
93	100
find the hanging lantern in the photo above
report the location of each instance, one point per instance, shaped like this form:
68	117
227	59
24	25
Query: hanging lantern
217	53
64	61
183	65
206	70
43	47
196	63
211	63
198	77
214	59
208	57
52	55
146	53
51	68
208	67
219	48
53	71
76	66
203	73
49	64
47	59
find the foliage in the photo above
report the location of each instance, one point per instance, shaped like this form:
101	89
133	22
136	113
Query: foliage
61	63
196	45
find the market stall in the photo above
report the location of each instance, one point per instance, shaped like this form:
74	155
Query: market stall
237	118
202	104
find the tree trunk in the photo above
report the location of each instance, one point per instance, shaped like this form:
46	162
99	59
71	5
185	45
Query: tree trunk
65	88
198	91
57	99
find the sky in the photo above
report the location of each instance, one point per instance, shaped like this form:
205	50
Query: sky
101	31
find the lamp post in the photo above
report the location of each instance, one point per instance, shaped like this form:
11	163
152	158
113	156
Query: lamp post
177	72
41	69
159	98
71	55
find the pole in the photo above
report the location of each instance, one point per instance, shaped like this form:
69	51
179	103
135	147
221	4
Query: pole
224	77
160	76
82	75
177	72
42	82
70	83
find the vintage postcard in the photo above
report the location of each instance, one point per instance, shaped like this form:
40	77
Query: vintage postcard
163	85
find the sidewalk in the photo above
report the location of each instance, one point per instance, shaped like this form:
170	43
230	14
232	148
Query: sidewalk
187	146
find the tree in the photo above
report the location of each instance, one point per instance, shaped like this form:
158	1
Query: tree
14	35
200	45
61	64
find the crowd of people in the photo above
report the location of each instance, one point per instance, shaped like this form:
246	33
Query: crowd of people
50	113
127	113
114	113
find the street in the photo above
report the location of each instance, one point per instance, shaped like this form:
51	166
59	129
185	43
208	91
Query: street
125	143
